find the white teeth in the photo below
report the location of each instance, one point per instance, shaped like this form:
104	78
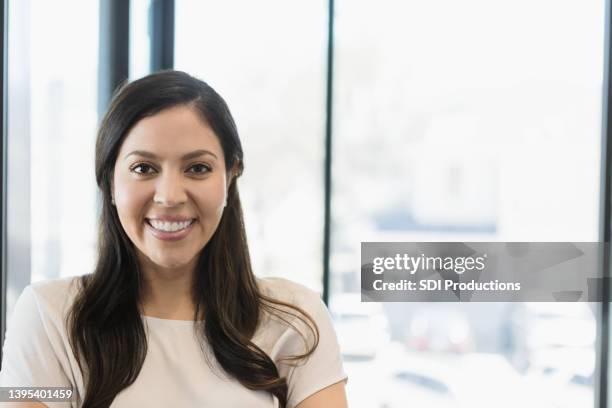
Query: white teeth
170	226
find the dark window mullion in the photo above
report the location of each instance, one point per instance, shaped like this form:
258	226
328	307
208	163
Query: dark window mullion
328	153
602	352
161	23
114	53
3	129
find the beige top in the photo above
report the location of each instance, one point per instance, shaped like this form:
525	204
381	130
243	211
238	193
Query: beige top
175	372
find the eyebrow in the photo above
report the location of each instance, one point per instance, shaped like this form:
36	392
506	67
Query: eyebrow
188	156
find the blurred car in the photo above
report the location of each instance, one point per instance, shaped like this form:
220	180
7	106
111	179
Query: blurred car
408	387
441	380
569	369
417	381
559	324
561	351
362	328
439	328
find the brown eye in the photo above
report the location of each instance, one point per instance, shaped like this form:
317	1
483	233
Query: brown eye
200	168
144	168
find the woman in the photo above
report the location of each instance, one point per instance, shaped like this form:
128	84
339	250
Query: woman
173	314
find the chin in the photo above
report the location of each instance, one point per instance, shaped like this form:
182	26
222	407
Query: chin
171	263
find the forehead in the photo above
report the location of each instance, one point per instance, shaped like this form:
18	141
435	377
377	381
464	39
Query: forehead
172	133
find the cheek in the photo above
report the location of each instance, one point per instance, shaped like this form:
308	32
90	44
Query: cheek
130	201
210	198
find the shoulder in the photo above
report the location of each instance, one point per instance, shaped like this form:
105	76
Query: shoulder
290	294
54	295
36	350
47	301
288	291
319	362
284	327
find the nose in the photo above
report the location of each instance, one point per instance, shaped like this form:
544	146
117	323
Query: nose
169	190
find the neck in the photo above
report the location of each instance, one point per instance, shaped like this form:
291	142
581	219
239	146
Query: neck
167	292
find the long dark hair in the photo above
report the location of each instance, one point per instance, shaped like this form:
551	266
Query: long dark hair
105	326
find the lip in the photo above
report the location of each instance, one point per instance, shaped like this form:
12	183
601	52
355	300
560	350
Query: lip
170	218
170	236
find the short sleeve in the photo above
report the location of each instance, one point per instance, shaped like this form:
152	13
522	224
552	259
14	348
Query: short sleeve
323	367
28	355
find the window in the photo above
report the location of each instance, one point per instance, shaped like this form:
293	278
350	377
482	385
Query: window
63	131
269	64
476	120
140	38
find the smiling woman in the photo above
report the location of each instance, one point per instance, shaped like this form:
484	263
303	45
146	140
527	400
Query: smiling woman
173	314
170	202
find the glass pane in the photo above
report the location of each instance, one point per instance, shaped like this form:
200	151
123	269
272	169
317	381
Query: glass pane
140	39
63	130
476	120
271	72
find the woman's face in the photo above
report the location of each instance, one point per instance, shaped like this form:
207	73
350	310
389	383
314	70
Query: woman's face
170	187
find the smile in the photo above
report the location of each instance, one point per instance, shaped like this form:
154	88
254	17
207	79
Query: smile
170	226
170	231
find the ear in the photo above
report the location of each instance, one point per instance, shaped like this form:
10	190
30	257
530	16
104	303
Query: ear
232	174
112	192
